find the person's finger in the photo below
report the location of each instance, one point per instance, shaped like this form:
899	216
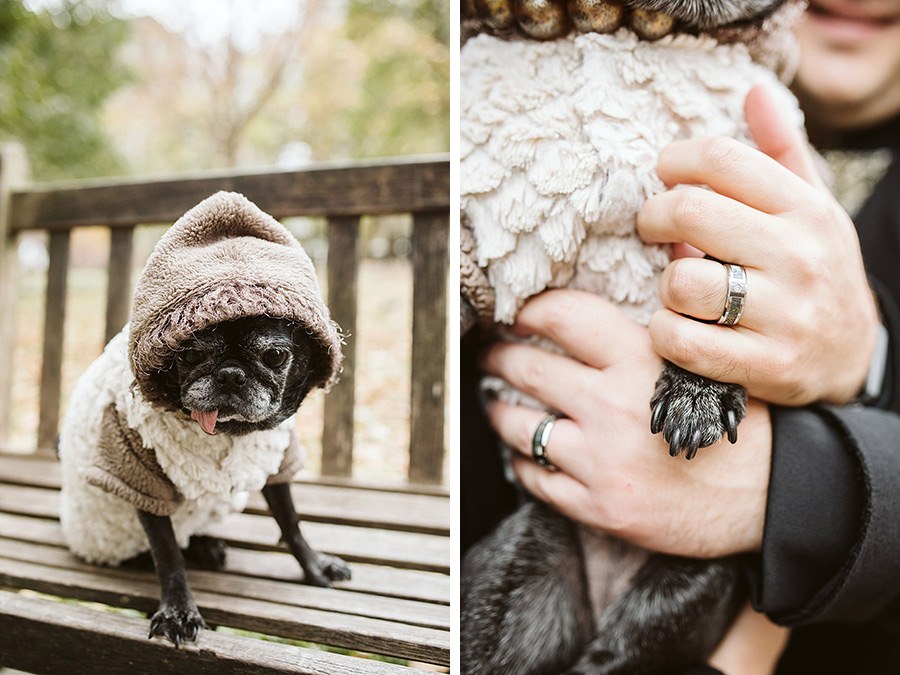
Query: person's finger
734	170
721	353
721	226
590	328
697	288
556	488
516	426
556	381
777	137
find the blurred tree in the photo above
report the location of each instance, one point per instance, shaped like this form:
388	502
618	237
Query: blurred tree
405	102
57	68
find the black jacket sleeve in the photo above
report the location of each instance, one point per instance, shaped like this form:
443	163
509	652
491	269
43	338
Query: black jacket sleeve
831	542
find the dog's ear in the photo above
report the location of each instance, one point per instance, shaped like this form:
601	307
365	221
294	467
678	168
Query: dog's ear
310	368
168	385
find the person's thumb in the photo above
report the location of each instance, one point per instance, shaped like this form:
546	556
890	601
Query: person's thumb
778	137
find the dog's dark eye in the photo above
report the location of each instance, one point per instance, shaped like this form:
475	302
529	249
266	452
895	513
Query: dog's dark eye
191	357
274	357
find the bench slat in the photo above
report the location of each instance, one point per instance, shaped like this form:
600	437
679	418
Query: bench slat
384	547
397	187
118	280
294	594
343	270
76	639
339	630
54	321
315	501
429	328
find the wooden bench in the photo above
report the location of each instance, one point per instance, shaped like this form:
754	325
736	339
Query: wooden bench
59	615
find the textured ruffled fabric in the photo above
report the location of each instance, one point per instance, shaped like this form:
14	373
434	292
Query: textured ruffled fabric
559	144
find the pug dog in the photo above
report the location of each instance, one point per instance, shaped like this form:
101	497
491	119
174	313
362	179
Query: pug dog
235	378
192	405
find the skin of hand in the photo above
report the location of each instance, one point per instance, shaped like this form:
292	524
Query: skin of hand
810	321
613	474
752	646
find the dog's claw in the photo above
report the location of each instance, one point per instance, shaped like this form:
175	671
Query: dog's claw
658	416
694	445
731	425
675	443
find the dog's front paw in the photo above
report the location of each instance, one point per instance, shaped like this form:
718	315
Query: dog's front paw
693	412
326	569
334	568
177	623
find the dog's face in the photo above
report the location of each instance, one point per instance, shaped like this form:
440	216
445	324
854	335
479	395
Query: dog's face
243	375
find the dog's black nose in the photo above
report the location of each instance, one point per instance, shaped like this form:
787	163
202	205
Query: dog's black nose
231	376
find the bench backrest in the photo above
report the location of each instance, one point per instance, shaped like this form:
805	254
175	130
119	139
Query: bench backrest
341	194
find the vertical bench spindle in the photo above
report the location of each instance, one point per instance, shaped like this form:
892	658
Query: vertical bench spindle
118	280
54	320
426	434
14	174
343	266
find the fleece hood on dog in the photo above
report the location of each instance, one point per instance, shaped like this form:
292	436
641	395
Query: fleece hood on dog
224	259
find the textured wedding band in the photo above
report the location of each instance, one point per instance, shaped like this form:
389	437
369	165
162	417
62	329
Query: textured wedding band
540	439
736	296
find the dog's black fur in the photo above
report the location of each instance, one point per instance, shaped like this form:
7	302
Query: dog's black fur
525	588
256	371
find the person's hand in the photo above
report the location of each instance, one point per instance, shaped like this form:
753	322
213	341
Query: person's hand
752	646
613	474
809	326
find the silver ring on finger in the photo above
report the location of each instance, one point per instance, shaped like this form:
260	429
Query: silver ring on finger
539	442
735	296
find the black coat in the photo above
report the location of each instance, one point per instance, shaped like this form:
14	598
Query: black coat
830	560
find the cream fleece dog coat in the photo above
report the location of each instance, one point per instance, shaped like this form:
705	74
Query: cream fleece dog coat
123	445
558	148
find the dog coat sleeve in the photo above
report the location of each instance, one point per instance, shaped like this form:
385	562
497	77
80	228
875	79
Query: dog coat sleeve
291	463
127	469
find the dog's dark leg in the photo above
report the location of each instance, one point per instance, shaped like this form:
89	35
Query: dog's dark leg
320	569
693	411
177	617
525	603
674	614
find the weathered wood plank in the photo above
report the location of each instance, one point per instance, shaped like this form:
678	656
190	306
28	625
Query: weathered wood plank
46	637
315	501
426	437
339	630
54	321
343	266
397	187
118	280
292	593
405	550
14	173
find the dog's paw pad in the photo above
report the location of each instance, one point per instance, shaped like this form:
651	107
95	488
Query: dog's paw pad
693	412
177	624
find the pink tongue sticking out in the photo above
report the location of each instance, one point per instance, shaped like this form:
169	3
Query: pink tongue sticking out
207	420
